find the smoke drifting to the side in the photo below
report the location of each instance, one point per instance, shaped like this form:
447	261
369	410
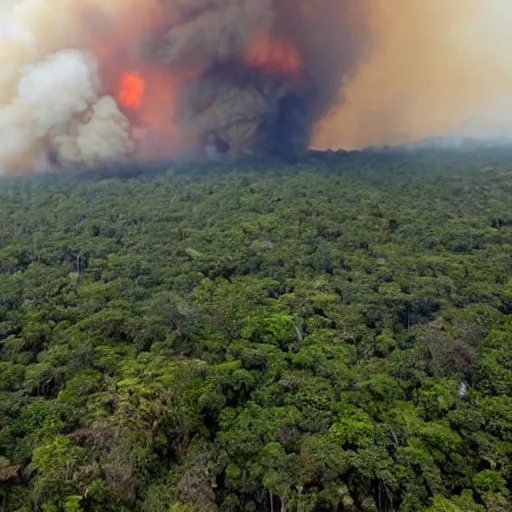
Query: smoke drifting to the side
436	67
94	82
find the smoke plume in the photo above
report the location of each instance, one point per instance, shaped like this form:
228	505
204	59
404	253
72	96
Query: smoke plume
88	83
96	82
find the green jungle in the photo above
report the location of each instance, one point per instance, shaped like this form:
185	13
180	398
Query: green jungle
329	336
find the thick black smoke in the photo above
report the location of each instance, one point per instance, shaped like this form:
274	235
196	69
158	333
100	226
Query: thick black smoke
269	104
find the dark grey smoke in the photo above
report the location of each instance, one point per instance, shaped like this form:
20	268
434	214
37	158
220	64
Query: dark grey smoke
239	107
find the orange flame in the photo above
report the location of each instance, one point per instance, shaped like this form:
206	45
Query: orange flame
131	91
274	54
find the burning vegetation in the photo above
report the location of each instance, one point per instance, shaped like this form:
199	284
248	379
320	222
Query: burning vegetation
101	82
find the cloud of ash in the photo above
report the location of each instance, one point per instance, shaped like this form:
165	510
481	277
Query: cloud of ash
435	68
91	83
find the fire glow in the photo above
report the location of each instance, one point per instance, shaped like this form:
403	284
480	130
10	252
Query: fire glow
274	54
131	90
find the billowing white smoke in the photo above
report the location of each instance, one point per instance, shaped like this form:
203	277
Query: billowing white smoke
101	137
58	100
67	81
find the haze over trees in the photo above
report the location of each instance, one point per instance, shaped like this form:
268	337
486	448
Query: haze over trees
329	336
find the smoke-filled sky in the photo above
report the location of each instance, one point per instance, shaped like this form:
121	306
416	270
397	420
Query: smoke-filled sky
435	67
94	82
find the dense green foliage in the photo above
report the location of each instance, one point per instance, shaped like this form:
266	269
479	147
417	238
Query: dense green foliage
332	336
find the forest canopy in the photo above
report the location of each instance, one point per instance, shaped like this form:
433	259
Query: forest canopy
329	336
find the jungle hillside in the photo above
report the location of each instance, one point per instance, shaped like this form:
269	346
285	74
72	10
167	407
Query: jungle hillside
329	336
